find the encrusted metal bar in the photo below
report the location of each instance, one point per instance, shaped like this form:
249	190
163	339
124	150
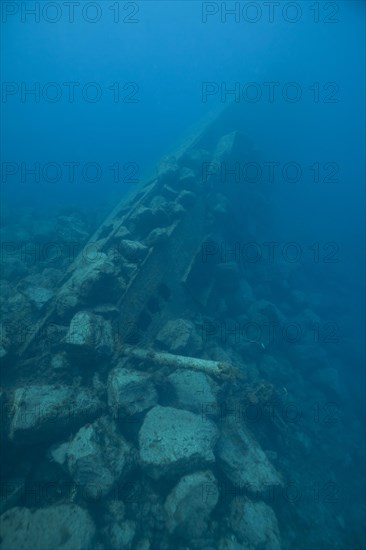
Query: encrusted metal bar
219	369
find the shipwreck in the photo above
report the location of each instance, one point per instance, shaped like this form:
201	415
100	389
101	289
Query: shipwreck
125	417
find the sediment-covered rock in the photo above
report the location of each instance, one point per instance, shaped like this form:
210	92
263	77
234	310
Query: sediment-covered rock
190	503
187	179
62	527
179	336
130	392
255	524
38	296
194	391
243	460
93	281
174	441
96	458
119	532
90	334
45	412
133	251
157	236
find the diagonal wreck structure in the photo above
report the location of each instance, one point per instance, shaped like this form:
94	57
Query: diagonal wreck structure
122	420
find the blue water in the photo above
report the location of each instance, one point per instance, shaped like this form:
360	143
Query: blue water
171	64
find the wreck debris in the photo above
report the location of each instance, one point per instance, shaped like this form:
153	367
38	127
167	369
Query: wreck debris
214	368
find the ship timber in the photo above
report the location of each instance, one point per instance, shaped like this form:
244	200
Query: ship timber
167	266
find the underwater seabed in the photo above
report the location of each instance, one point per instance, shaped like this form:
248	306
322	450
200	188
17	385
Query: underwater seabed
146	405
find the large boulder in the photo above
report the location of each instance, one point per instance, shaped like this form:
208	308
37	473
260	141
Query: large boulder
190	504
133	251
130	392
90	334
179	336
46	412
329	382
97	458
173	441
227	277
243	461
61	527
38	296
93	281
308	357
194	391
255	524
118	532
187	179
157	236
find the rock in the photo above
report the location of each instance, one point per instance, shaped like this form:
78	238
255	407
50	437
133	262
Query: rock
176	210
122	232
38	296
328	380
230	543
143	544
147	219
61	527
179	336
90	334
242	459
227	276
6	407
262	311
299	300
51	277
71	228
11	491
60	363
169	192
158	201
190	504
119	532
133	251
255	524
233	145
157	236
168	170
273	368
45	412
194	391
187	179
66	302
14	307
143	218
121	535
4	341
186	198
130	392
12	269
97	457
94	281
128	270
219	210
308	357
174	441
